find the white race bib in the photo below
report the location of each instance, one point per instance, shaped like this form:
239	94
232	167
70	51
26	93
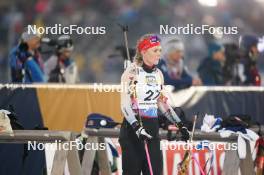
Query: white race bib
148	89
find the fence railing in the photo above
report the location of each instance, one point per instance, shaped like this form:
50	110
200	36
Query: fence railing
232	163
40	136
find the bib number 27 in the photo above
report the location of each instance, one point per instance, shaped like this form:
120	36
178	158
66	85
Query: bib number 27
151	95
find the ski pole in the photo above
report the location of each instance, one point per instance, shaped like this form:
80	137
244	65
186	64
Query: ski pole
128	60
145	142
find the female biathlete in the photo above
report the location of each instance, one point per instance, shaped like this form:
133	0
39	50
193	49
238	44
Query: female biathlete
142	96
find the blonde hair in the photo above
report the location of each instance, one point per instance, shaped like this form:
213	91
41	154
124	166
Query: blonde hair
138	59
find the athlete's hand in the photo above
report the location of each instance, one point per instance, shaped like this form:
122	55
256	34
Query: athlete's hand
184	132
141	132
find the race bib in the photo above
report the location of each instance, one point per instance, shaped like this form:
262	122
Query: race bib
148	89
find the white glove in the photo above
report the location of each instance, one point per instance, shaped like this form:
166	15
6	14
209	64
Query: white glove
142	134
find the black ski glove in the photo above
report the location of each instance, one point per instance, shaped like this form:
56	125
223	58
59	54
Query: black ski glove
185	136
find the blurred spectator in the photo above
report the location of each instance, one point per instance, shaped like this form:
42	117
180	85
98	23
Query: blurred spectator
233	70
250	53
93	13
172	66
211	68
25	60
60	67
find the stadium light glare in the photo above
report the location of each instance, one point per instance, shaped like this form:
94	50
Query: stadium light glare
209	3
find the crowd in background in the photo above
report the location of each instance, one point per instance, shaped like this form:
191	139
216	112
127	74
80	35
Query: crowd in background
96	56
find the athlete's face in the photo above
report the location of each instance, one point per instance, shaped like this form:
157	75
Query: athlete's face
152	55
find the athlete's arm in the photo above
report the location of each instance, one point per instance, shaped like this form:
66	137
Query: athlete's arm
170	114
165	107
127	83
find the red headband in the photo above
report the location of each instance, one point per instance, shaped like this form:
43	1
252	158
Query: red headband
149	43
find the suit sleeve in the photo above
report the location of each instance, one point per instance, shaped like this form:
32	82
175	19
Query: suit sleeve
127	83
165	107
